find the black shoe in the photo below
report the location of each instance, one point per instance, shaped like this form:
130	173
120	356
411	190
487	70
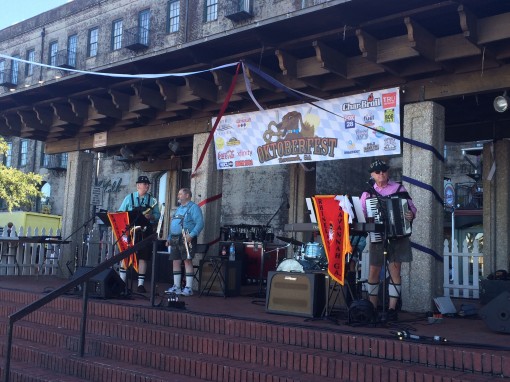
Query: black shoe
141	289
392	315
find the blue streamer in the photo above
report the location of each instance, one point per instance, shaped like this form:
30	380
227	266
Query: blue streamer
429	251
425	187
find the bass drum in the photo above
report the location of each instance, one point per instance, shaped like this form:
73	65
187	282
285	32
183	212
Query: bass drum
315	252
292	265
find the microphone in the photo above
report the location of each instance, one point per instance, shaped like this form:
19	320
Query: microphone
371	182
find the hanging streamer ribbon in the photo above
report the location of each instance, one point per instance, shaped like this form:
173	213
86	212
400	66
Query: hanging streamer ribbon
209	200
425	186
218	118
306	97
117	75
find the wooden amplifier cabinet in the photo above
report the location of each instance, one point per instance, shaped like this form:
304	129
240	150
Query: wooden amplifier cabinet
297	294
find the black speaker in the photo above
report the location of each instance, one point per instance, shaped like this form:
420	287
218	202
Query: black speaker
106	284
490	289
496	314
224	281
297	294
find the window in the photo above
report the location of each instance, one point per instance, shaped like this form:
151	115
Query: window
211	10
92	47
8	155
143	26
23	157
2	71
15	70
29	68
53	53
117	35
173	16
72	42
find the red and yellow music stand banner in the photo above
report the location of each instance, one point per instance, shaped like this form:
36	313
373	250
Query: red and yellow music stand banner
123	237
334	228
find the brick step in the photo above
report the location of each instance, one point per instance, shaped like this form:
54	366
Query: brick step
25	372
271	334
248	357
334	340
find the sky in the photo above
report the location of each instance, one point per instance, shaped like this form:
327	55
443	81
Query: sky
18	10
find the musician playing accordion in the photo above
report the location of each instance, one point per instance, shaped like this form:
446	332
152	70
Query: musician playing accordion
398	248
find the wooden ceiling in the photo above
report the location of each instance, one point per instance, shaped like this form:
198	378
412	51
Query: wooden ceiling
456	53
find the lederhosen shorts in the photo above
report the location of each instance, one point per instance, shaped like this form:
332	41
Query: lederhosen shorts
399	251
179	250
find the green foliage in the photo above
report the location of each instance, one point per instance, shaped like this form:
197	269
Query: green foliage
17	188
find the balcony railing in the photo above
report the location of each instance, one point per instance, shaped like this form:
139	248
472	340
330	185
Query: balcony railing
66	59
9	78
238	10
137	38
55	161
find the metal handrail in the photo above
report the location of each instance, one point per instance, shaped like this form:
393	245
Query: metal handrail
20	314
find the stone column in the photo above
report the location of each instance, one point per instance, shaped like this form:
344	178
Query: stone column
496	207
77	210
205	185
422	278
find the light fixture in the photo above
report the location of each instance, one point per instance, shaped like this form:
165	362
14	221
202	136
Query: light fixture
126	152
173	146
501	103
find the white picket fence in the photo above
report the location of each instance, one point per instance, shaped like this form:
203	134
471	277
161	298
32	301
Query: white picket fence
33	252
461	271
25	254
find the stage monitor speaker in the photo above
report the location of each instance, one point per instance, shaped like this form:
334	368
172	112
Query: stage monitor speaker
106	284
297	294
496	314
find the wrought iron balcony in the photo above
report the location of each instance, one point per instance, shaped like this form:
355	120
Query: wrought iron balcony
137	38
238	10
66	59
55	161
9	78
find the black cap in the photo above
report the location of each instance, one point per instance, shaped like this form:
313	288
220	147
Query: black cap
378	165
143	179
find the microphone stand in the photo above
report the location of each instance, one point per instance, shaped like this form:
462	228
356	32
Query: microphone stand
384	218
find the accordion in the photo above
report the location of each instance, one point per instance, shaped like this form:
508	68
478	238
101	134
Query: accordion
389	210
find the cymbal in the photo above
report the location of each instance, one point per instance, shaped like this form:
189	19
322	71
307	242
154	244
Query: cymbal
290	240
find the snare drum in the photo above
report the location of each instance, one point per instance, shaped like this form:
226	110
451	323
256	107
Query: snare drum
292	265
314	252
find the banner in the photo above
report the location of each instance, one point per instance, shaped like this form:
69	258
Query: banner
340	128
122	233
334	228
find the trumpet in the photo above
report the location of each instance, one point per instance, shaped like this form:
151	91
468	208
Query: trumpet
186	244
149	209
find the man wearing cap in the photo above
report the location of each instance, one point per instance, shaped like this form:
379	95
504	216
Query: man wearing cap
143	202
398	250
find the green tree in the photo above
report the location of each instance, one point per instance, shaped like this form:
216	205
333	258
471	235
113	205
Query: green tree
16	187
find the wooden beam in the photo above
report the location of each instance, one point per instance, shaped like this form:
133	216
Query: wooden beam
454	85
104	107
64	113
44	114
493	28
468	24
420	39
330	59
136	135
455	47
202	88
148	96
13	122
287	63
120	100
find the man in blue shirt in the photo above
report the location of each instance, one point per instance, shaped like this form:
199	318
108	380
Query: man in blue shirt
187	217
147	206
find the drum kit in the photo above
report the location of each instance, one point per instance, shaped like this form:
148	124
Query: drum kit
306	257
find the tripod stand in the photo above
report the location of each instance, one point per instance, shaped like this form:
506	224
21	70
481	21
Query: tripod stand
384	269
